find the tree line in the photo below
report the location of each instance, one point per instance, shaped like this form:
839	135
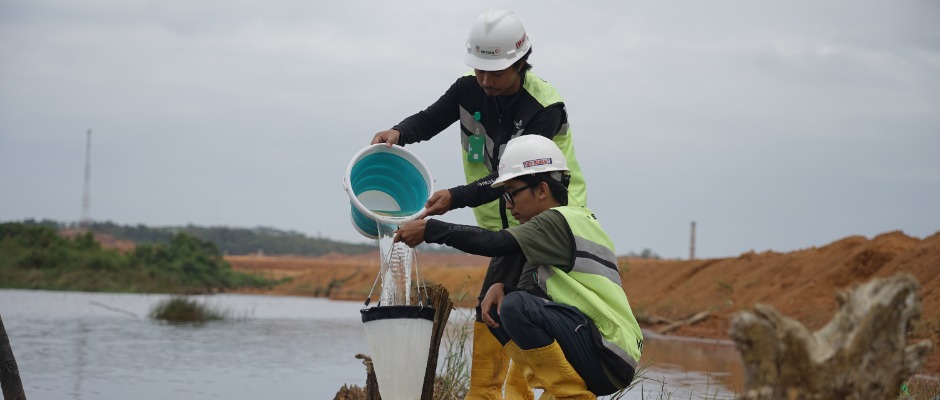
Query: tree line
35	256
230	241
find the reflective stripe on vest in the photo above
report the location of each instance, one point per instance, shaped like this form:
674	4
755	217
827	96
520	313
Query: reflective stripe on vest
488	215
593	285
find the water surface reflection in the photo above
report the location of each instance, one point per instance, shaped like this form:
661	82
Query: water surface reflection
103	346
696	366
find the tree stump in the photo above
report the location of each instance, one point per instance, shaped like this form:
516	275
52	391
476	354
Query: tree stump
354	392
350	392
862	353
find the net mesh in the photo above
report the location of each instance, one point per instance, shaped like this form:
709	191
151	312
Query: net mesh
397	259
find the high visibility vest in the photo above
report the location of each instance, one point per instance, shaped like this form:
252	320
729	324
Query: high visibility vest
592	285
536	94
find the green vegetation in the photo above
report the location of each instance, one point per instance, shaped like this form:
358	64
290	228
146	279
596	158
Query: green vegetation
233	241
237	241
35	256
453	377
185	310
920	388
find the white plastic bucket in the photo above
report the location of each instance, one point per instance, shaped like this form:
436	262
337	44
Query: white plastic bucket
387	185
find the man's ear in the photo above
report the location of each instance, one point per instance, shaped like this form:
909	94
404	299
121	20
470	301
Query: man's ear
543	190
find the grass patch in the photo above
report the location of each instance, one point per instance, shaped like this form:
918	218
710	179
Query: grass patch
182	309
453	379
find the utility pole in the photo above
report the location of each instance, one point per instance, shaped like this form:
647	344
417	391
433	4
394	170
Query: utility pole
692	243
86	195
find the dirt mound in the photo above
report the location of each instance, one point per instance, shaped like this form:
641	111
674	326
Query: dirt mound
801	284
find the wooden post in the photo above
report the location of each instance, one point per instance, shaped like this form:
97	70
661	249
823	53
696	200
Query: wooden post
440	300
9	373
692	243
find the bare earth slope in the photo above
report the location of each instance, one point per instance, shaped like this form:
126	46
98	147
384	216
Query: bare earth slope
800	284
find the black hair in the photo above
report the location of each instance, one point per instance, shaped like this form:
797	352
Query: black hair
522	65
557	183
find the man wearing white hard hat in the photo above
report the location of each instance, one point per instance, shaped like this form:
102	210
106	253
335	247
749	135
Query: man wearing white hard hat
572	332
500	100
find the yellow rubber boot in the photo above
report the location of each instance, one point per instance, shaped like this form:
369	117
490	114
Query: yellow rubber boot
520	380
489	365
516	385
551	371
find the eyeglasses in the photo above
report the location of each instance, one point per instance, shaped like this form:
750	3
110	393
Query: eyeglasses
509	195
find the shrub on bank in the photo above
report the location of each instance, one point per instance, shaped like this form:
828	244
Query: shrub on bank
185	310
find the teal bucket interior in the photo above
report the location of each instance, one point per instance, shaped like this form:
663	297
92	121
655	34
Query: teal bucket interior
386	185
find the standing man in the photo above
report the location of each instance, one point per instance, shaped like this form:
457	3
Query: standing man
572	332
502	99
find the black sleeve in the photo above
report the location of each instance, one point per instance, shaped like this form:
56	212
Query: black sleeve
438	116
475	193
471	239
548	121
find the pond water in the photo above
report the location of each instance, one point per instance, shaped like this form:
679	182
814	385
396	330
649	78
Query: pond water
72	345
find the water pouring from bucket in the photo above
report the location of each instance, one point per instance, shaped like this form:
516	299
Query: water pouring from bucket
388	186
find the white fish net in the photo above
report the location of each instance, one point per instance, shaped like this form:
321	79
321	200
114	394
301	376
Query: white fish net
400	350
397	259
399	338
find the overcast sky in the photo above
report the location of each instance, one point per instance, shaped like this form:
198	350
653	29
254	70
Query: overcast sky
774	125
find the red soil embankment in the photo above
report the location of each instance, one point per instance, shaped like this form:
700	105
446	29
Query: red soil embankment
801	284
342	277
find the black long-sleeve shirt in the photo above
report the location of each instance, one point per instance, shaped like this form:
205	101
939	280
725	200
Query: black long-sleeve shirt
502	118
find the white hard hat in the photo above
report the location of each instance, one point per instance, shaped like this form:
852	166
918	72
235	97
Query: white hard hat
497	39
529	154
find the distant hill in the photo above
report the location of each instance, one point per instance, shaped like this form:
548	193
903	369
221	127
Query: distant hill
230	241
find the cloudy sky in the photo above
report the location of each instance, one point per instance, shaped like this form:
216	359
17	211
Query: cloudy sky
774	125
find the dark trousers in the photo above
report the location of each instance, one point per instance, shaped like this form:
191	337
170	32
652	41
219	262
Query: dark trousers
533	322
505	270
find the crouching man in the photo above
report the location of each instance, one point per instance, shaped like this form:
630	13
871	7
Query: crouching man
568	325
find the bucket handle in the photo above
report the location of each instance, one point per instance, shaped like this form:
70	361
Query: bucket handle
419	282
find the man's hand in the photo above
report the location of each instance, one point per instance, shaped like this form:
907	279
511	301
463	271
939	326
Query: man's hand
388	137
494	297
438	204
410	232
